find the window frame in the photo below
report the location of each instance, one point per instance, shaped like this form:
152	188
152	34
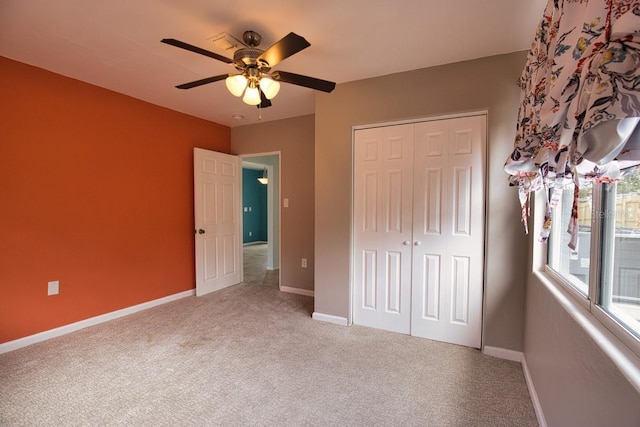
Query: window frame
590	301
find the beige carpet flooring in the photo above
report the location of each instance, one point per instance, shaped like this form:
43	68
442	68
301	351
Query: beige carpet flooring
250	355
255	266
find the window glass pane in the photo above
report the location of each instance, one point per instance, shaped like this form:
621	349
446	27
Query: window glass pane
620	285
572	265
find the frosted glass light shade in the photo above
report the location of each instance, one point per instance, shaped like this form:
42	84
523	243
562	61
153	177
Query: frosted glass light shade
264	180
252	96
269	87
236	84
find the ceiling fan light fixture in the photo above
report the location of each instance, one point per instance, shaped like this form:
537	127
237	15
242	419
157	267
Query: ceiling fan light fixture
252	96
254	81
269	87
236	84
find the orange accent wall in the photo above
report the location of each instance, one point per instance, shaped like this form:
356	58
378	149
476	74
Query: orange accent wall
96	191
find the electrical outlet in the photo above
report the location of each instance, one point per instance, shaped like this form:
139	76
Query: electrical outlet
53	288
304	263
250	233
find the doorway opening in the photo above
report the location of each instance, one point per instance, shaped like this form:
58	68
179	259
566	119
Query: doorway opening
261	219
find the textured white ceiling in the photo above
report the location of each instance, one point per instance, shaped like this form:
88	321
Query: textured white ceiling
115	44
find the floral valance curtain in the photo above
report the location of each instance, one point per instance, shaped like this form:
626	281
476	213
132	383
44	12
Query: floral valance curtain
580	100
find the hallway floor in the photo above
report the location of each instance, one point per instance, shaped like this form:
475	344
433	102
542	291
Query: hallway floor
255	266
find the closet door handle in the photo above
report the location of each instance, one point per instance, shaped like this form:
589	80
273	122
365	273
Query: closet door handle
406	243
417	243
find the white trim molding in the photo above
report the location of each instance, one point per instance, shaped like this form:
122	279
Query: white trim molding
297	291
502	353
342	321
422	119
537	407
72	327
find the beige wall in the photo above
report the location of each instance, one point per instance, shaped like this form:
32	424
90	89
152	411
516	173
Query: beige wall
293	138
485	84
577	383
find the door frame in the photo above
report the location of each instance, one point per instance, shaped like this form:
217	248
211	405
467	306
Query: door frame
352	254
273	203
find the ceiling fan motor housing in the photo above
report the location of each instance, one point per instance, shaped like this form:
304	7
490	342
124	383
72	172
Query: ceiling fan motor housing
248	57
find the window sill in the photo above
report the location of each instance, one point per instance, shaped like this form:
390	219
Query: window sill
597	324
567	287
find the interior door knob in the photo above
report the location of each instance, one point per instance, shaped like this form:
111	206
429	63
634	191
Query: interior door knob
406	243
417	243
201	231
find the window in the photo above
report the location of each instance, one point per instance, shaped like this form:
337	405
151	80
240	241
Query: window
604	268
572	264
619	290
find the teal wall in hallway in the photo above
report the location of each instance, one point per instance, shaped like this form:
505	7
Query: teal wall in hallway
254	207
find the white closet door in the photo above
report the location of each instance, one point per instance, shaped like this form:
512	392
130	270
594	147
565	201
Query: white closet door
448	230
382	227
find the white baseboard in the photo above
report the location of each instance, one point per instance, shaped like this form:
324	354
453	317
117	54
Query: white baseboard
298	291
342	321
537	407
66	329
502	353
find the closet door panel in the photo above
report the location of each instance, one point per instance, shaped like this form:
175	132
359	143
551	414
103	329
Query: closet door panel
382	227
431	226
432	201
369	282
429	287
461	199
456	147
466	244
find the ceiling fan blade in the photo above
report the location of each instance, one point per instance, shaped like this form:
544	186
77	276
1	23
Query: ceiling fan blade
284	48
196	49
306	81
265	102
202	81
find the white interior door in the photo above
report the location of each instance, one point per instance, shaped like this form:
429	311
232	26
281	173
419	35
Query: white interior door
217	183
448	230
382	232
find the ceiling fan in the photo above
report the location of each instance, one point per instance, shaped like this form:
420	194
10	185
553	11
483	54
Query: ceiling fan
255	79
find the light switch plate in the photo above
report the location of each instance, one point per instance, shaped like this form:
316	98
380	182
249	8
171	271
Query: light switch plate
53	288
